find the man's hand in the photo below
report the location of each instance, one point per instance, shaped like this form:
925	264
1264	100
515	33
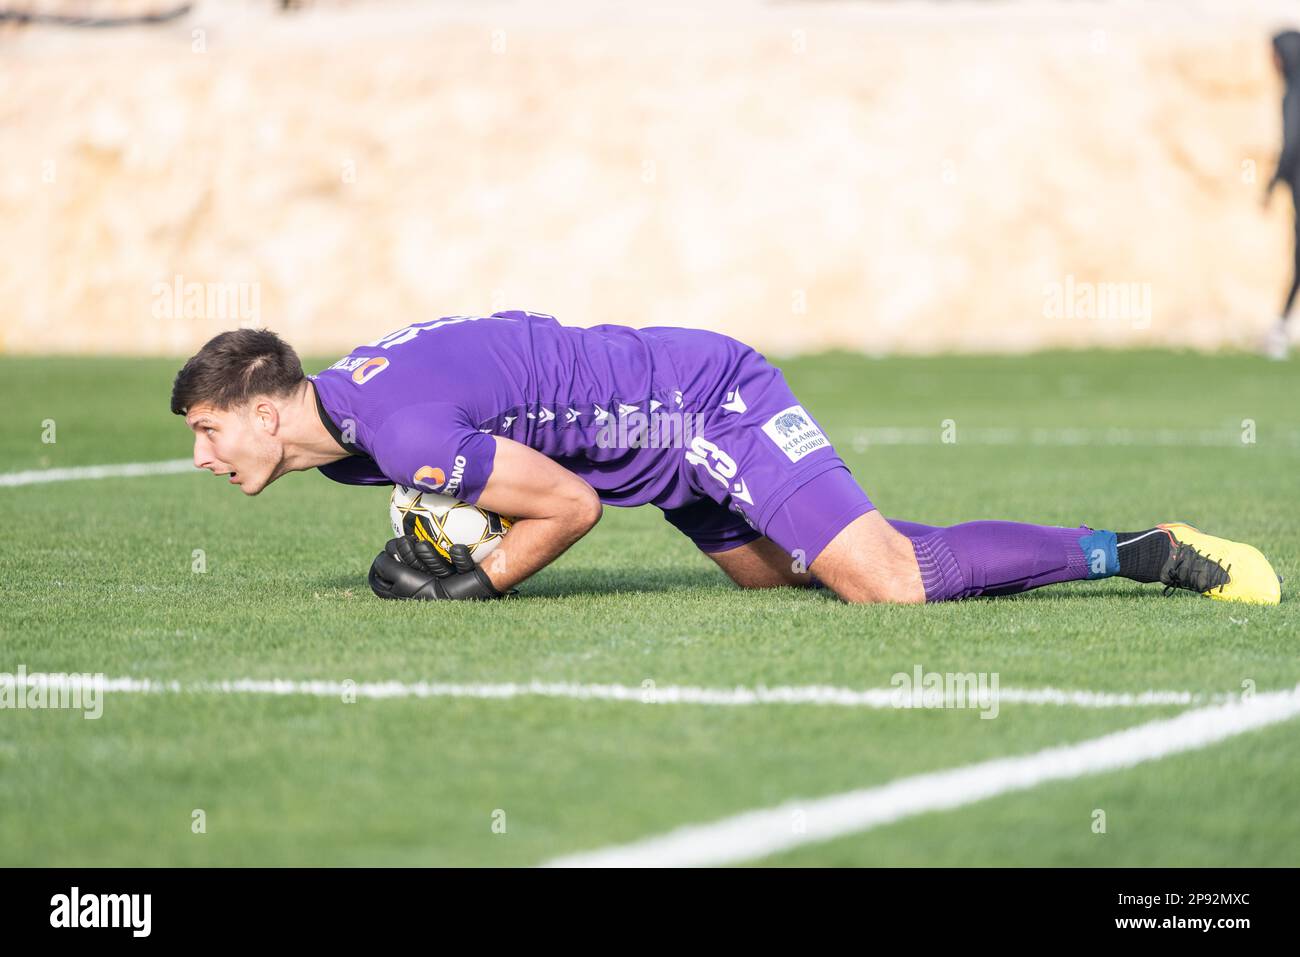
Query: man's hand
552	508
409	567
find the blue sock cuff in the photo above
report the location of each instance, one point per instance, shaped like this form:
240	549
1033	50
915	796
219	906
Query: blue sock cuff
1101	552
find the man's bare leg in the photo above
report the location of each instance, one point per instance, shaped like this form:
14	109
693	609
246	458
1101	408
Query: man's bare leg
868	561
761	563
874	559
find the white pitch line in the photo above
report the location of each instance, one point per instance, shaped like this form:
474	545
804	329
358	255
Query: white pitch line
860	440
1110	438
669	694
125	470
761	833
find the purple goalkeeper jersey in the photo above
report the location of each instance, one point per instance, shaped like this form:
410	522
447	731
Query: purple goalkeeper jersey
420	407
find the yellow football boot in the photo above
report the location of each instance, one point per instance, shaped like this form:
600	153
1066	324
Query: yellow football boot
1218	568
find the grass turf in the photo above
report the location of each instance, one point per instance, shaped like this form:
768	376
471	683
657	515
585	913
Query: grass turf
97	577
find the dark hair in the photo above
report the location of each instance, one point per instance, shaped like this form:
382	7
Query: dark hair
233	367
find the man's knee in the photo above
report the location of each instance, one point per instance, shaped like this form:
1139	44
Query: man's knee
872	589
869	562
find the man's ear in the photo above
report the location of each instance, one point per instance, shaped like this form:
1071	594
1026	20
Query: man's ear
267	415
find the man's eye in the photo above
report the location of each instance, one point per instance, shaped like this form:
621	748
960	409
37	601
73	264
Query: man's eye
207	429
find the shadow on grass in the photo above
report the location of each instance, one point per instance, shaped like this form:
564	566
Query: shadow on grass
1113	588
583	583
576	583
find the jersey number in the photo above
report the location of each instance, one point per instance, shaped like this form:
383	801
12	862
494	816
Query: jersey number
411	331
712	459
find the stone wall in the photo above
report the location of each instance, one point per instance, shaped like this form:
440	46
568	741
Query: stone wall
895	177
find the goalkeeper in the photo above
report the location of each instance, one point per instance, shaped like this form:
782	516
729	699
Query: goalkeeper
548	423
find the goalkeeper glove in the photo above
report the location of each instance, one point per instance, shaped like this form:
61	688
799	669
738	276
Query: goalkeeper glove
410	567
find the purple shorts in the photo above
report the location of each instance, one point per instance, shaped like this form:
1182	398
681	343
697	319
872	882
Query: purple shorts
763	466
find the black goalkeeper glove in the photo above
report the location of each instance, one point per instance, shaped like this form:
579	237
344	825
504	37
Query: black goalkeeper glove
410	567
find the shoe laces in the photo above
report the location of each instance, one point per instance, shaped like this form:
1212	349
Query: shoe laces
1190	569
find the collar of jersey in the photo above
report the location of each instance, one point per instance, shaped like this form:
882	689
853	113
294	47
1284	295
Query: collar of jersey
330	427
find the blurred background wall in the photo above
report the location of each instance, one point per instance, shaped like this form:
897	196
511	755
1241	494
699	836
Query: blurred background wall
888	177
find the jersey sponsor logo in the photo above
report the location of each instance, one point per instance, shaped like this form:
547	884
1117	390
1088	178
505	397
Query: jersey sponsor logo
457	474
429	477
434	478
369	369
795	433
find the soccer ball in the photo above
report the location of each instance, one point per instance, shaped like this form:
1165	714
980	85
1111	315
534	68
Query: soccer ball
443	521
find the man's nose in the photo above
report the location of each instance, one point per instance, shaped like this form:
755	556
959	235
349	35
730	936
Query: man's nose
202	453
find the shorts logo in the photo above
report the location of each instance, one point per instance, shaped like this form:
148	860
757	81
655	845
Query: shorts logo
734	402
369	369
740	490
795	433
429	477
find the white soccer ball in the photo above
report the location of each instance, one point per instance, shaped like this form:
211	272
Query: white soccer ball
443	521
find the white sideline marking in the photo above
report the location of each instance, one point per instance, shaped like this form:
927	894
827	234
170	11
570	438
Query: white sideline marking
860	440
669	694
864	438
758	834
127	470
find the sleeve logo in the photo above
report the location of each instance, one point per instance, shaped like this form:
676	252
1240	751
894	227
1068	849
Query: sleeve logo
369	369
434	478
795	433
429	476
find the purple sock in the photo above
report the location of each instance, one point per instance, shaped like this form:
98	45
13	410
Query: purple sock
1001	558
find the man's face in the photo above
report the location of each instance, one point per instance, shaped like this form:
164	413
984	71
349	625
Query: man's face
240	442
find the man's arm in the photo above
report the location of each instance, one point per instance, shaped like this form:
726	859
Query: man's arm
552	508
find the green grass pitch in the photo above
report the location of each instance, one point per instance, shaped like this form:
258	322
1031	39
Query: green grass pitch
97	576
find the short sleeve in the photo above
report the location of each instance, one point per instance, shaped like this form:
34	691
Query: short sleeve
432	446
